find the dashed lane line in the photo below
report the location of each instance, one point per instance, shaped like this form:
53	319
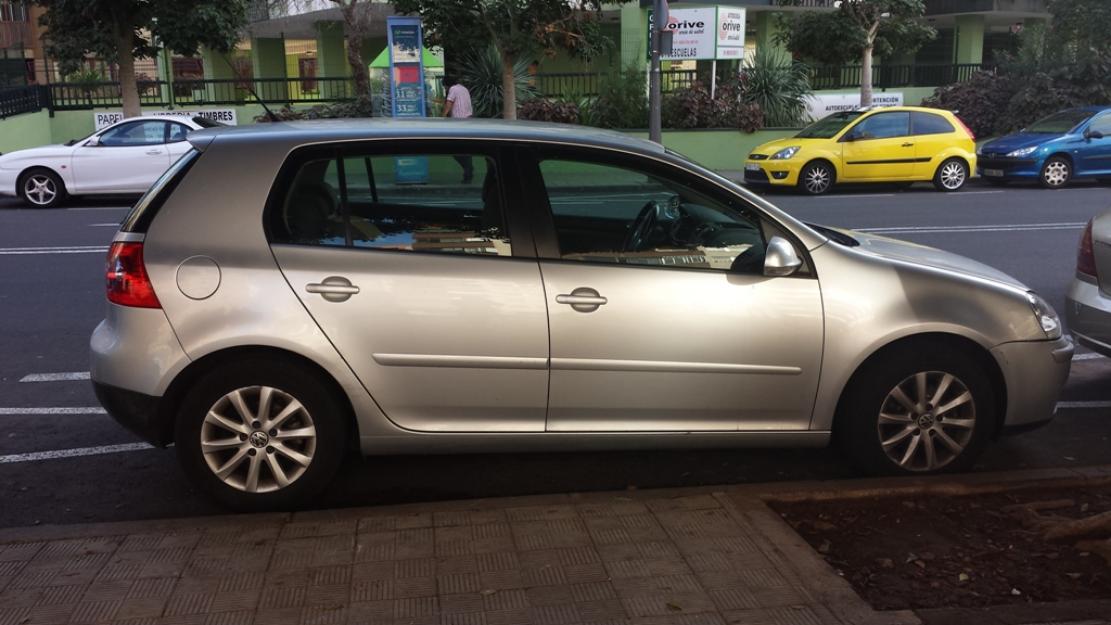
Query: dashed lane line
55	377
66	410
73	453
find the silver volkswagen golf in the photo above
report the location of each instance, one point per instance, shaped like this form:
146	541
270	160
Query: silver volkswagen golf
287	292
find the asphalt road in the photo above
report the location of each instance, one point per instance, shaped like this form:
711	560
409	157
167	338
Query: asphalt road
51	297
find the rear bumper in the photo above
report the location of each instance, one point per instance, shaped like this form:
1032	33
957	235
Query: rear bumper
1088	313
1035	372
136	412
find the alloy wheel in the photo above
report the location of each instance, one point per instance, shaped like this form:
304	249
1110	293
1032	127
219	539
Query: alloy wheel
817	180
39	189
926	421
258	439
952	175
1056	173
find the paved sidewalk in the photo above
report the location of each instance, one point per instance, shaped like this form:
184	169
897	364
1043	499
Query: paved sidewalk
690	557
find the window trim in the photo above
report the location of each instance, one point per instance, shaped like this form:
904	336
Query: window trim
520	236
542	221
845	137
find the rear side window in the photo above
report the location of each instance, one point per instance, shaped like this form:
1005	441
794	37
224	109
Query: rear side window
930	124
138	220
409	202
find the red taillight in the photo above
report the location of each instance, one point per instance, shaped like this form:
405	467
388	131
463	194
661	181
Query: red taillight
1086	257
127	279
971	135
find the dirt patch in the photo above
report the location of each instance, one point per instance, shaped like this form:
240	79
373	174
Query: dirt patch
975	551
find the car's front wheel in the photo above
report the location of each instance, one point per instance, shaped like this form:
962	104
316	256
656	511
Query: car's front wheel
817	178
917	411
261	434
951	175
1056	172
41	188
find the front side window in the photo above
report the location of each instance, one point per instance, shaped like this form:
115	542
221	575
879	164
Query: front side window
608	213
930	124
882	126
435	203
135	133
1102	124
1059	123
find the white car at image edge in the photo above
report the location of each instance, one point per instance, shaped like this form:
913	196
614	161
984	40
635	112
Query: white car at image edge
122	159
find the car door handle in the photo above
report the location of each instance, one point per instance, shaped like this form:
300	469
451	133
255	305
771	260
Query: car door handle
333	288
154	152
908	145
582	299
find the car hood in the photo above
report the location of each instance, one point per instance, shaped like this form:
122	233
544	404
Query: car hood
1017	141
905	251
772	147
46	151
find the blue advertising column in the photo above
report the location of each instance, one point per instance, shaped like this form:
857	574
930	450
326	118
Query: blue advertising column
407	87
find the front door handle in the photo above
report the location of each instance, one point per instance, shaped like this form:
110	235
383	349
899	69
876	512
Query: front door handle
333	288
908	145
154	152
582	299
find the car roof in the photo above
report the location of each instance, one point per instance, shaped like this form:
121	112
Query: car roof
296	133
919	109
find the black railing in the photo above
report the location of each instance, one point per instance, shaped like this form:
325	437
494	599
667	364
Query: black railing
572	85
83	96
16	100
848	76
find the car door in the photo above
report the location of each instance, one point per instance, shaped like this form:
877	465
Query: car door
176	144
878	147
659	314
931	134
424	287
126	158
1093	156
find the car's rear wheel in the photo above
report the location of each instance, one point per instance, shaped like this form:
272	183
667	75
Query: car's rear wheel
261	434
917	411
41	188
817	178
1056	172
951	175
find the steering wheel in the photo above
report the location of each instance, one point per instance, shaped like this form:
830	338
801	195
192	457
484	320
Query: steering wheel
642	226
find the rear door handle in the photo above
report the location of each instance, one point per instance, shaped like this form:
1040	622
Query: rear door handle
582	299
333	288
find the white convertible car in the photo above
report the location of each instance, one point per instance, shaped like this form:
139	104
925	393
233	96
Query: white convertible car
122	159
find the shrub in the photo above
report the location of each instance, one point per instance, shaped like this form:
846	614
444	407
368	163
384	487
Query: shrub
693	107
980	101
545	110
361	107
480	73
621	101
779	85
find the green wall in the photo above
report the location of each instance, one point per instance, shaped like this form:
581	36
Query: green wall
720	150
24	131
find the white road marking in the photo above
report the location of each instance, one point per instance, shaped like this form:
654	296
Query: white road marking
100	208
852	196
72	249
1065	405
55	377
50	411
74	453
113	224
1088	356
977	228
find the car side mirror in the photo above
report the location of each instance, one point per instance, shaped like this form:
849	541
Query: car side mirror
1092	134
93	141
781	259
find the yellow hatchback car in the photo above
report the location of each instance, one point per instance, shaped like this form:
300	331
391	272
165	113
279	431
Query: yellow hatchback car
895	144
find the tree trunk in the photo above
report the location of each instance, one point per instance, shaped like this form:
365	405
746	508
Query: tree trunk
129	90
508	88
355	27
866	77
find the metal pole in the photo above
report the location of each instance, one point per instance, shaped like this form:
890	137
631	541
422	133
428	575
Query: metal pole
654	88
713	78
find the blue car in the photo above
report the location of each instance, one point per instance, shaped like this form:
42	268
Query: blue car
1064	146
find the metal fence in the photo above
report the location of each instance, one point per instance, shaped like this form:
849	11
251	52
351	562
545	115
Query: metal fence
27	99
848	76
83	96
572	85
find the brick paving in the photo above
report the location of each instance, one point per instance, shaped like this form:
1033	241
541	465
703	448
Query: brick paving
692	559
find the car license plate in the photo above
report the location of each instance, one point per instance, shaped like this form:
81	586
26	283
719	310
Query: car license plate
752	167
994	173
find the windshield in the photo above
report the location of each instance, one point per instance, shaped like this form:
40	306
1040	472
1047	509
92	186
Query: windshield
828	127
1060	123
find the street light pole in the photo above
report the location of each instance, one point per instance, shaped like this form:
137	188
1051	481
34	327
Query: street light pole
654	87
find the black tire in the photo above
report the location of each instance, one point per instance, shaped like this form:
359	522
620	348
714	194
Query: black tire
40	187
860	431
1056	172
816	178
326	413
951	175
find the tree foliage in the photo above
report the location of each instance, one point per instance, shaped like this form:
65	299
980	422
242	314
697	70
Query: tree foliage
120	31
516	28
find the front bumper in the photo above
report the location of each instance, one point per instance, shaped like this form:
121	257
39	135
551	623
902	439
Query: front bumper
9	182
1001	168
775	173
1034	372
1088	314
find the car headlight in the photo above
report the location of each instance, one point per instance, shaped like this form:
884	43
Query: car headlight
1046	316
786	153
1019	153
979	150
